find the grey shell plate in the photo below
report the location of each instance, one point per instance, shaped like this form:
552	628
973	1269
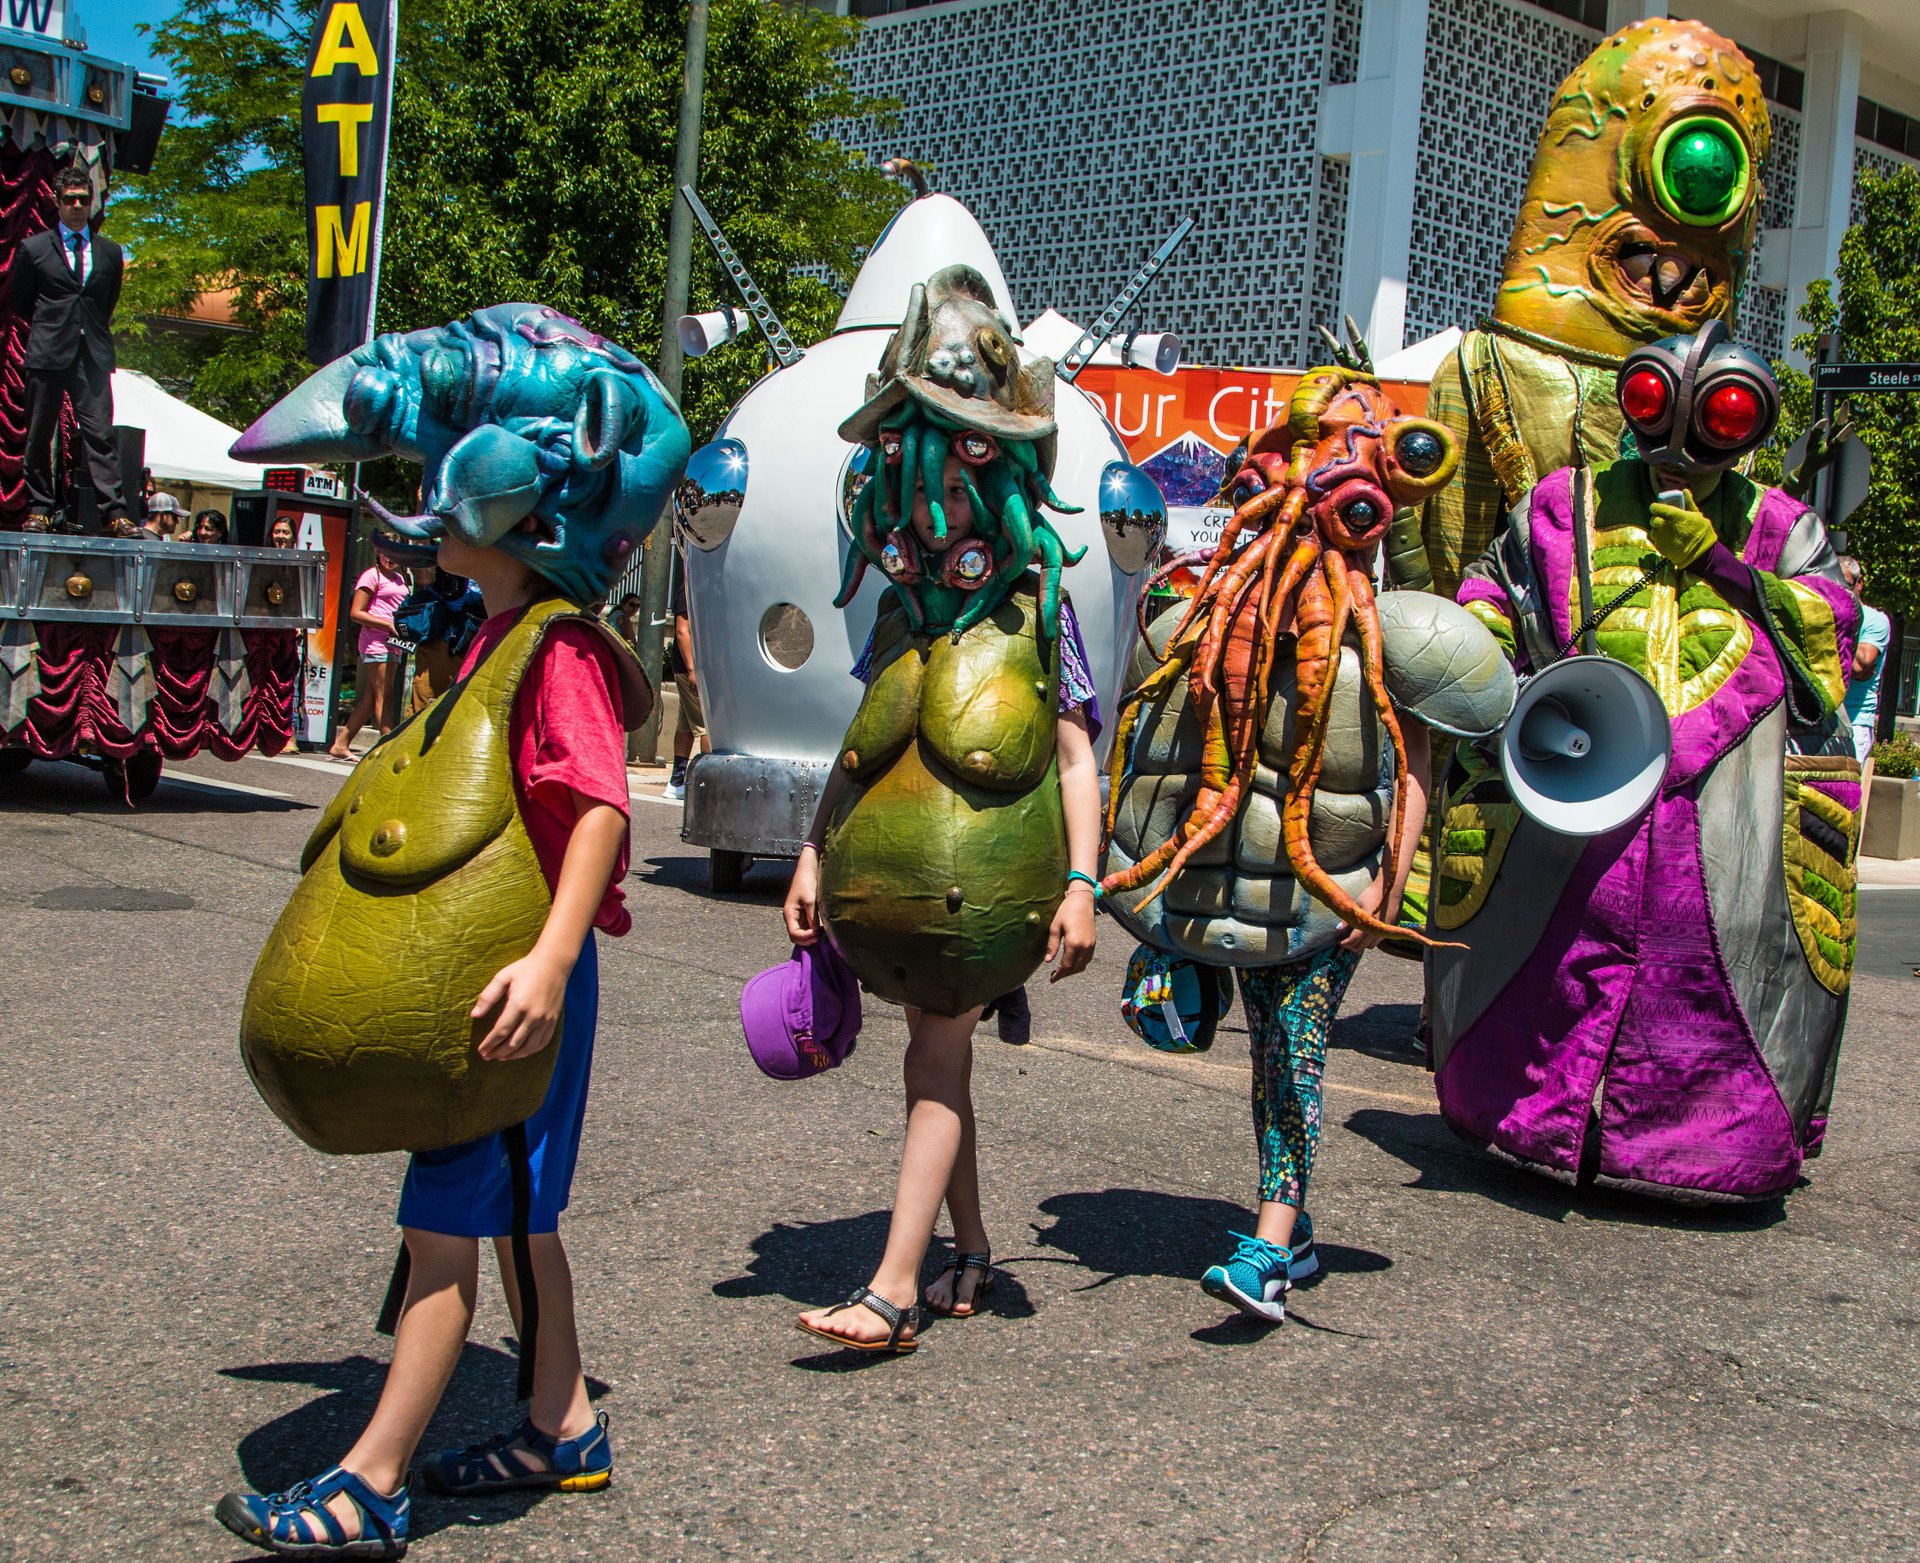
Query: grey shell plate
1237	903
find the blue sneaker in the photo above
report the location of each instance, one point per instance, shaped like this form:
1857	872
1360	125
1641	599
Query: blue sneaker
1305	1261
525	1457
298	1524
1254	1280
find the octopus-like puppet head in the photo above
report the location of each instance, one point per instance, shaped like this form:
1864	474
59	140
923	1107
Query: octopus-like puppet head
1349	455
538	437
951	383
1639	215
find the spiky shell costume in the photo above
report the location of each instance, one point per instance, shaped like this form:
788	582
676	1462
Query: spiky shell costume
419	883
1638	224
417	886
1660	1007
1258	764
946	855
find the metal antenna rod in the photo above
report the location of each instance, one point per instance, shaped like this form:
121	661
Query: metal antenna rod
1081	353
784	352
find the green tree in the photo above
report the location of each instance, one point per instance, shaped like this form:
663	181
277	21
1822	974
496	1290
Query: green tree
1877	316
532	158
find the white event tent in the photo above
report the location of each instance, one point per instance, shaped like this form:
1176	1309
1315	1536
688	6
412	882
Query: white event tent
184	444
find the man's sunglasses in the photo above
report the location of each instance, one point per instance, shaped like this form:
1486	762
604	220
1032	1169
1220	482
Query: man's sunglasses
74	200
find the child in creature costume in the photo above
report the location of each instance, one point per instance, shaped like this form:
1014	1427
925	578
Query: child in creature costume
954	847
1638	223
432	985
1269	766
1660	1007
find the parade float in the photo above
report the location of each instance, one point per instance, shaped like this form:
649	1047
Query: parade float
123	653
766	513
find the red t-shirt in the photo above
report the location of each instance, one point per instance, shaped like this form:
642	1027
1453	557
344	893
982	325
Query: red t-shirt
566	733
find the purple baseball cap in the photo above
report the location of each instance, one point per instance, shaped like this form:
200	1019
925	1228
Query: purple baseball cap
801	1017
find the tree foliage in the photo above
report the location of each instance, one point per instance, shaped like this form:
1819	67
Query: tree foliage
1877	316
532	158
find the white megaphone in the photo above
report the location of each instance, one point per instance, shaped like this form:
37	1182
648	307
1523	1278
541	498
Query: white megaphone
1586	746
701	334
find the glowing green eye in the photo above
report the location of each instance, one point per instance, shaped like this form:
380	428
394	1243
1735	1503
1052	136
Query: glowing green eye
1700	171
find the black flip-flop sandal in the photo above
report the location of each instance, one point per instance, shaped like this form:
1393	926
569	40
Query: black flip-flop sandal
896	1317
957	1267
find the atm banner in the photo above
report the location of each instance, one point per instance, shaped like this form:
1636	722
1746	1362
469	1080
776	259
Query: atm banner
344	109
1181	428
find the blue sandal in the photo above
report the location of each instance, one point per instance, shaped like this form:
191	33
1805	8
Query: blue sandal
298	1524
505	1463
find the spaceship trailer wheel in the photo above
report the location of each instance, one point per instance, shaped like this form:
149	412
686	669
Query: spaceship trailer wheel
726	870
133	778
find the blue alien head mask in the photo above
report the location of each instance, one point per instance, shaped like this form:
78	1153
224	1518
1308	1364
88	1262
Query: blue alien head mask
516	412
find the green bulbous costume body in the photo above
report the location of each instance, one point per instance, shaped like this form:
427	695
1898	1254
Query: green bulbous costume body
418	885
946	856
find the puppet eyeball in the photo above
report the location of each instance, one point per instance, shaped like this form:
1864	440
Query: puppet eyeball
1247	484
890	446
976	450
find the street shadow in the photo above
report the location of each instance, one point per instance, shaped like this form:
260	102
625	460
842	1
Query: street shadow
478	1403
815	1263
1121	1232
1444	1162
1389	1032
765	882
72	787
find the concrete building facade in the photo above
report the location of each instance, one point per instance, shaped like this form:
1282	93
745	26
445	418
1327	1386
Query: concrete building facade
1360	157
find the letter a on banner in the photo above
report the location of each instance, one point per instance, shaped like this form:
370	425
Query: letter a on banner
344	113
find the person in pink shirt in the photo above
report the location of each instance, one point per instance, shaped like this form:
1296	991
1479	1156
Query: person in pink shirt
379	591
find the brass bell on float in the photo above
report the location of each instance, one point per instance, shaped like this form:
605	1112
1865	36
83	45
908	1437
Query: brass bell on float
1586	746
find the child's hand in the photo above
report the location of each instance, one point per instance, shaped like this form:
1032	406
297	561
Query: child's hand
1369	901
1071	936
802	910
526	995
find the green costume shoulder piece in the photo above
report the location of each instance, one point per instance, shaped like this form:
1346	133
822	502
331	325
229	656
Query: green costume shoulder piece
946	856
417	886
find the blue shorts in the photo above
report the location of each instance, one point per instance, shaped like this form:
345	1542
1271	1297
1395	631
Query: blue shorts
465	1191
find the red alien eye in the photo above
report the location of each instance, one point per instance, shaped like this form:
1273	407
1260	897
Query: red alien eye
1730	413
1644	397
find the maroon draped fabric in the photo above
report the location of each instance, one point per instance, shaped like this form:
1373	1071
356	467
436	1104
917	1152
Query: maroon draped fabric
26	206
79	705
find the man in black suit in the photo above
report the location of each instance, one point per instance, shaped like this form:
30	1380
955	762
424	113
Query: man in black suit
66	282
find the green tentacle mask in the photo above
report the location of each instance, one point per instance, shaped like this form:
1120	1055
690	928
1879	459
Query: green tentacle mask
953	402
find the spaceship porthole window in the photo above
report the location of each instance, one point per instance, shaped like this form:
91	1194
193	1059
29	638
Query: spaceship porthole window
786	637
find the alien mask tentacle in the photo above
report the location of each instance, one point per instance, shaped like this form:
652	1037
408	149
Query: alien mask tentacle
1258	768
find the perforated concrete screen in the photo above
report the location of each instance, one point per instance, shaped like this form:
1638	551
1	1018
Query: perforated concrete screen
1080	130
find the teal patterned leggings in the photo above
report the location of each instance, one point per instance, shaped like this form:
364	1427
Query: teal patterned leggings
1290	1010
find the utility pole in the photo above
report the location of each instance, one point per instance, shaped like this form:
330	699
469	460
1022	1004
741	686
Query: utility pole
657	552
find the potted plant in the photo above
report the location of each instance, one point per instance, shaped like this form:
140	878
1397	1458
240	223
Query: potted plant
1893	805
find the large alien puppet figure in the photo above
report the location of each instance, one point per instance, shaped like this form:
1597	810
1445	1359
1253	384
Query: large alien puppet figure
946	855
1638	224
420	882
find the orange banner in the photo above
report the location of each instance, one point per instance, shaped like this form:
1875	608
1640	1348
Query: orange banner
1180	429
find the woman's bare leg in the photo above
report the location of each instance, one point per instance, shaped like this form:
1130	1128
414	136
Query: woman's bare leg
938	1071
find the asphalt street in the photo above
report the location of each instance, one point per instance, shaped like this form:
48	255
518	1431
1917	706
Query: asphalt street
1491	1367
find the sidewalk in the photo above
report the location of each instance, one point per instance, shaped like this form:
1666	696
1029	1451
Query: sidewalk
1885	873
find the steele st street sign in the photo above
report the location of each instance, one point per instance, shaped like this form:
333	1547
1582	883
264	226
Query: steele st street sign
1866	377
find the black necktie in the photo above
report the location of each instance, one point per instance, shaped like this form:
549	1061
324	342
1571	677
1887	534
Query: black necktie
79	267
